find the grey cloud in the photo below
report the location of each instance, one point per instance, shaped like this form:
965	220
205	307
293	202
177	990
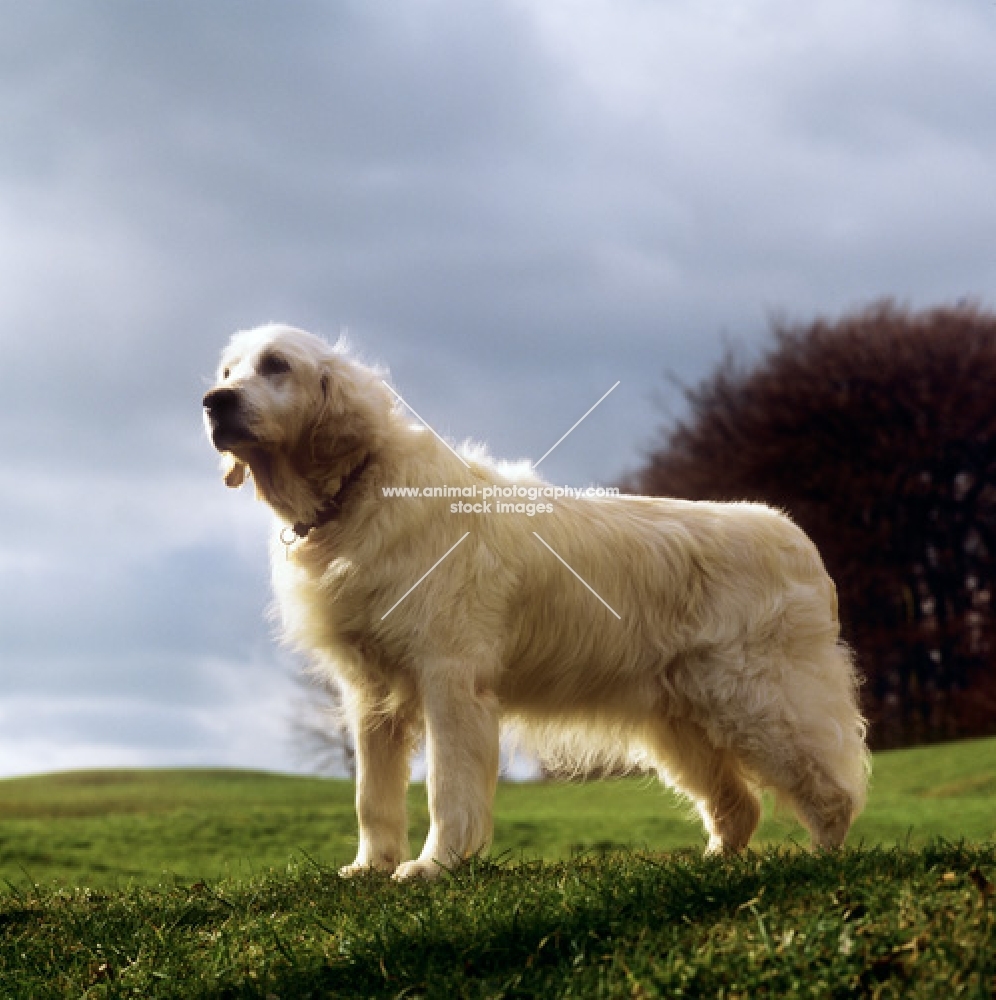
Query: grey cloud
55	732
172	602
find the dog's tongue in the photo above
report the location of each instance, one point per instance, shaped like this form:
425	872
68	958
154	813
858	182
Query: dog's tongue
235	472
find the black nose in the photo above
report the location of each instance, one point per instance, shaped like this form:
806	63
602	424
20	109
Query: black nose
221	402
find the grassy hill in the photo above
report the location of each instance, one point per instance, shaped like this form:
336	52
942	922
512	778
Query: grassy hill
250	904
109	828
883	923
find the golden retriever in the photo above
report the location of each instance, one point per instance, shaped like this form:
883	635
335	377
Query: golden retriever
699	640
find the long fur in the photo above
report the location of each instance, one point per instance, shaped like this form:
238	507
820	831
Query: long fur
725	673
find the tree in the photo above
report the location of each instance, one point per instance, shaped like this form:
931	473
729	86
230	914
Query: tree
877	434
319	733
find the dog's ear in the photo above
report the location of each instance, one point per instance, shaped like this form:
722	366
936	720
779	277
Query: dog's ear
233	471
335	434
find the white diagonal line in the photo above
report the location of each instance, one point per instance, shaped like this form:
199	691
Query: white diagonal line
427	427
609	606
424	575
551	449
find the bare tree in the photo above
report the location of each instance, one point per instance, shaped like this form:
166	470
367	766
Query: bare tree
319	734
877	433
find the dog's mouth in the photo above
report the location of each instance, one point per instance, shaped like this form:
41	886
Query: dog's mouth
225	420
227	435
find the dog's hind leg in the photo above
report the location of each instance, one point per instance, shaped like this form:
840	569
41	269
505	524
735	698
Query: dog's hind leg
711	778
805	739
802	778
824	806
461	742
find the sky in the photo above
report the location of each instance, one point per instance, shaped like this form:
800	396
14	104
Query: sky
510	205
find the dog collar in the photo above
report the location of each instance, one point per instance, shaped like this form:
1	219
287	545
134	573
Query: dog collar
329	510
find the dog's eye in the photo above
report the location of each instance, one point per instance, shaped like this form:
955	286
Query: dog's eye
272	364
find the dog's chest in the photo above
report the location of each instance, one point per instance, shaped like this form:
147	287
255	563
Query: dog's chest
334	610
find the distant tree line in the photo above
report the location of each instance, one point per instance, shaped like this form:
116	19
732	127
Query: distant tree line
877	434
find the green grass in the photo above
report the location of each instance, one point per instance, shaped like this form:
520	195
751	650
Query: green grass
221	884
882	922
113	828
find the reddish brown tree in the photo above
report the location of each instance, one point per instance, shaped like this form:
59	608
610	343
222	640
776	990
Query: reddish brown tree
877	434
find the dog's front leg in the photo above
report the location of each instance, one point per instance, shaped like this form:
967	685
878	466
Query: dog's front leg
461	740
383	750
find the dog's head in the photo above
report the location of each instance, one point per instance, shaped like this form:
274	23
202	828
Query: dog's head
287	405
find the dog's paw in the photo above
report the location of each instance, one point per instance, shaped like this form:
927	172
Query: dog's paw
348	871
417	869
362	868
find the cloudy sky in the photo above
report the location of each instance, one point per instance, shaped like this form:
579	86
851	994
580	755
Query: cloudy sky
512	205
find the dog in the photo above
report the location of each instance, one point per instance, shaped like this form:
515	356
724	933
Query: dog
699	640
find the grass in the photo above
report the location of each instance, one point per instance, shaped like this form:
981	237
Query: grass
876	922
219	884
115	828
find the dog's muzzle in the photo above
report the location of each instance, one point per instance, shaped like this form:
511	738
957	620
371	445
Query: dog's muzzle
224	416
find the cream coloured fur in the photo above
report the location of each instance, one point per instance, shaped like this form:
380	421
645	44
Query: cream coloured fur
725	673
